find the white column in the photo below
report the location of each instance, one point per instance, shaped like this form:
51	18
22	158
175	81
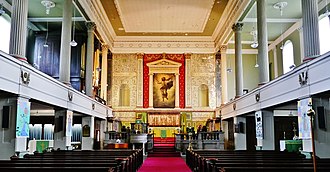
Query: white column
104	72
87	141
237	28
188	80
311	29
151	90
177	87
65	52
89	59
18	31
275	62
224	92
62	136
139	97
263	60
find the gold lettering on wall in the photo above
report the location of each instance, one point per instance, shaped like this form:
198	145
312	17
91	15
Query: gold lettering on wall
158	120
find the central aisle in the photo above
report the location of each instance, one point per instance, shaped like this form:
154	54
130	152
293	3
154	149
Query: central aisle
164	164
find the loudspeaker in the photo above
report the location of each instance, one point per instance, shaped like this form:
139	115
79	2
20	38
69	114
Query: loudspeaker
321	118
5	116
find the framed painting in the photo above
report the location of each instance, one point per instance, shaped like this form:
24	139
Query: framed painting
164	90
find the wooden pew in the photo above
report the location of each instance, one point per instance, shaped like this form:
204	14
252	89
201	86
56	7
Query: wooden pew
96	161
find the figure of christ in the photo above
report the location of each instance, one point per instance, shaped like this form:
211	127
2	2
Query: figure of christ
166	83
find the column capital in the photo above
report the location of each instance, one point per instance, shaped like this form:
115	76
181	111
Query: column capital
90	26
187	55
237	27
223	49
105	47
139	55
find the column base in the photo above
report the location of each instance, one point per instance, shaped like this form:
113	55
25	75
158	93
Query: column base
306	59
19	57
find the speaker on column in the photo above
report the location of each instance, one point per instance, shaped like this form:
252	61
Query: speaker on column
5	116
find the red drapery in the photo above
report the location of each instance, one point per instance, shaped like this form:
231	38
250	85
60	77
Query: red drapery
147	58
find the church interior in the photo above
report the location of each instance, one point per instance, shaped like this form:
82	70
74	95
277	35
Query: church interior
164	85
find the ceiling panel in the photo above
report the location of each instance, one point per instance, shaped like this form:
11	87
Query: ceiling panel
164	16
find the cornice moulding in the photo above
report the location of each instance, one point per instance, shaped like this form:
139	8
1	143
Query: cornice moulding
163	38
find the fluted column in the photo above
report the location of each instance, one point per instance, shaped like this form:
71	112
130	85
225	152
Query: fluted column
89	58
223	71
237	28
311	29
151	90
139	98
177	93
18	31
263	60
65	52
104	72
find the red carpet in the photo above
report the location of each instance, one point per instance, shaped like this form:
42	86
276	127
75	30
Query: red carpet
170	164
163	145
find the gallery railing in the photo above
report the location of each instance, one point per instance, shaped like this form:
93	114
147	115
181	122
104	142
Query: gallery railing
201	140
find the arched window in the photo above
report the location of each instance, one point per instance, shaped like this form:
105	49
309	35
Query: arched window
124	96
288	57
203	96
324	32
5	34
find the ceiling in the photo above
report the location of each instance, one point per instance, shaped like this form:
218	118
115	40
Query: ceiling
180	20
164	17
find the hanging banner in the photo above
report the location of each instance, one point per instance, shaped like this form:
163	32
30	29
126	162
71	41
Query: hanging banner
259	129
22	117
69	118
303	119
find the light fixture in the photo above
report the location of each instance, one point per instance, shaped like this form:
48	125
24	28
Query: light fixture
48	4
73	43
255	41
256	65
254	33
46	44
229	67
281	6
2	11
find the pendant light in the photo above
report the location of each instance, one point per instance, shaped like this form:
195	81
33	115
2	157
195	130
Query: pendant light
281	6
256	65
46	44
73	43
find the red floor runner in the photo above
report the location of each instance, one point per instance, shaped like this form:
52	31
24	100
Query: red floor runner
170	164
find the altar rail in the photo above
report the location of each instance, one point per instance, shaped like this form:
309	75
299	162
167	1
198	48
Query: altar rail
201	140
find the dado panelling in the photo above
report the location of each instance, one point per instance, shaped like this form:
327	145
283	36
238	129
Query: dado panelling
203	72
124	72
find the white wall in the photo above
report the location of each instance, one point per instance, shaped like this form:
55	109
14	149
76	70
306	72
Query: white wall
268	126
322	137
7	135
240	138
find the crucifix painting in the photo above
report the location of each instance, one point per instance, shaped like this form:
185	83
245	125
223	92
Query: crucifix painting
164	90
